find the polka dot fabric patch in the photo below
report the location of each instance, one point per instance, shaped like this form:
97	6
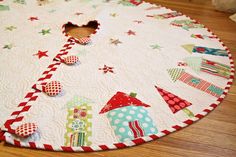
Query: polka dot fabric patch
131	122
26	129
71	60
53	88
175	103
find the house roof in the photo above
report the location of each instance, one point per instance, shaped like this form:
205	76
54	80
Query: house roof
121	99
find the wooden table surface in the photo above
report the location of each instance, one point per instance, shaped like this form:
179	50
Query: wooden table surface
214	135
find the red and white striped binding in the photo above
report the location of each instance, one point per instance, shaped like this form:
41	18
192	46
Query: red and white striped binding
17	116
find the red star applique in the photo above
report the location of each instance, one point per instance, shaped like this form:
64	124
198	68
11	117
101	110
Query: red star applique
107	69
130	32
41	54
33	18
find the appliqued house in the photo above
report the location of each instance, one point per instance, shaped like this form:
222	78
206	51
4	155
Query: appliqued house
79	125
128	117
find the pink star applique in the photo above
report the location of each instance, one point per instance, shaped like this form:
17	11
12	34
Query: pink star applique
33	18
107	69
130	32
41	54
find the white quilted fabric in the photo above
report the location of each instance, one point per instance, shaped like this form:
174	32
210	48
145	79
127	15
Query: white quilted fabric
139	63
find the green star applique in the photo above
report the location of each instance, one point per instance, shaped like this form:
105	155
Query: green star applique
156	47
8	46
10	28
115	41
45	31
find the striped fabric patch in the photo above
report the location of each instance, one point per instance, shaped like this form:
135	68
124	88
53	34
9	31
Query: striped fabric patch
200	36
136	129
77	139
186	24
166	15
215	68
201	84
73	140
194	63
175	73
81	138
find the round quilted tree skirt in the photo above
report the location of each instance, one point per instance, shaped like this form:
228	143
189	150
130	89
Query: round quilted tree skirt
147	71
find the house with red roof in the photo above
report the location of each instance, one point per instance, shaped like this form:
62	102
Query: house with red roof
128	117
